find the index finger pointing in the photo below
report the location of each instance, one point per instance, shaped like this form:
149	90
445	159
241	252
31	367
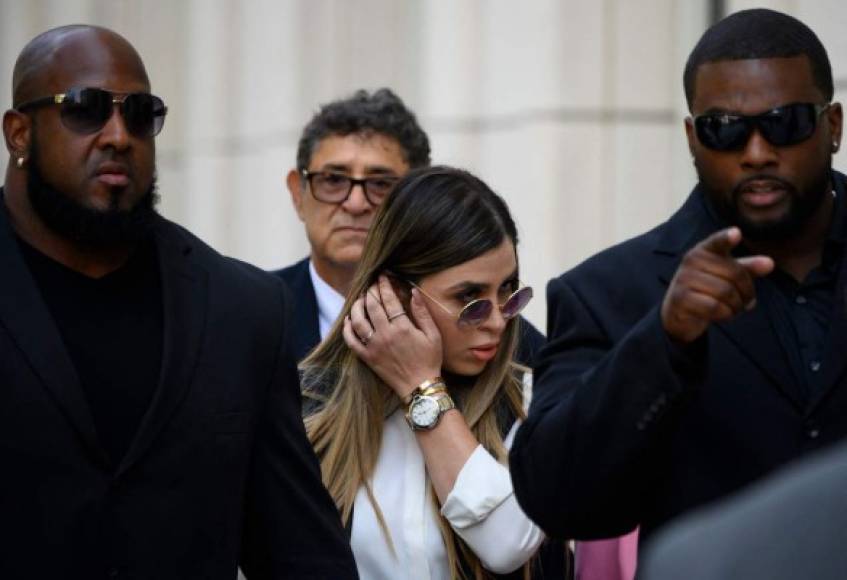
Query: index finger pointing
722	242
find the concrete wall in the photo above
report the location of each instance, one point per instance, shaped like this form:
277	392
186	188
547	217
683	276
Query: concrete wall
571	110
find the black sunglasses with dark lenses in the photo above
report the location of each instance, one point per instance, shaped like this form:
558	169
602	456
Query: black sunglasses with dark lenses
782	126
87	110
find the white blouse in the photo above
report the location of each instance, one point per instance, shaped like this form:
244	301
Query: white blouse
481	508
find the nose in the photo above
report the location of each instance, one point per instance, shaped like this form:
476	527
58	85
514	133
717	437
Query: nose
114	133
495	323
357	202
758	153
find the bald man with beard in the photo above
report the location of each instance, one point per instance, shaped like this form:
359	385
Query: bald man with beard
148	416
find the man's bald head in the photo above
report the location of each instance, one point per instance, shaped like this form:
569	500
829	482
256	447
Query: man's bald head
90	184
56	51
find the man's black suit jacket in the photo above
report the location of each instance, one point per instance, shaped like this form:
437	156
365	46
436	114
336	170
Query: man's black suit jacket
307	333
227	403
627	428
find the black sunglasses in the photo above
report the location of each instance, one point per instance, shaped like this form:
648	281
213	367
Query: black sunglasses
782	126
87	110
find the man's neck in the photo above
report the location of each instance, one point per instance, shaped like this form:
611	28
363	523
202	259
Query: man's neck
802	252
339	277
94	262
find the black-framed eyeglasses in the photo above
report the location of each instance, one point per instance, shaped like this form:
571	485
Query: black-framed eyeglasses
332	187
86	110
782	126
477	311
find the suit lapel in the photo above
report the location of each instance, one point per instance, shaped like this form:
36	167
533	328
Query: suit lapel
754	334
25	316
307	334
690	224
751	332
185	303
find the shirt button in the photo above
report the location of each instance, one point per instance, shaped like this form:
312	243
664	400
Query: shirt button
800	299
813	433
113	573
815	365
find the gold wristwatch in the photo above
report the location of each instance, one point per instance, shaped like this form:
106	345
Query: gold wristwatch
425	410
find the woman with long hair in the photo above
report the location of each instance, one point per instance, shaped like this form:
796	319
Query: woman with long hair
413	397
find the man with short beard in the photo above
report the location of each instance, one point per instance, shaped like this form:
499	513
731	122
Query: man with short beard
694	359
142	375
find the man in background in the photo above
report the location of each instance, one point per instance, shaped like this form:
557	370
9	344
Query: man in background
350	155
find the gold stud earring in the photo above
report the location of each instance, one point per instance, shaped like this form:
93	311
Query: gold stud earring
20	161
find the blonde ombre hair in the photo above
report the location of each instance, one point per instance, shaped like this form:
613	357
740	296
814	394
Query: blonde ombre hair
435	219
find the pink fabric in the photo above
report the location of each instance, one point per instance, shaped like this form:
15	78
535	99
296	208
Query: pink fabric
612	559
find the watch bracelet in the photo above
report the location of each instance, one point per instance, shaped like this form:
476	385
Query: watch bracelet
446	402
427	387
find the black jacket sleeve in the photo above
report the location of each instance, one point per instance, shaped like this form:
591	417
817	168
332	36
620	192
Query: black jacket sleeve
593	438
292	527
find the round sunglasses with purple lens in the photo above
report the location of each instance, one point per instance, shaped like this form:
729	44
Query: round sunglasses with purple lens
477	311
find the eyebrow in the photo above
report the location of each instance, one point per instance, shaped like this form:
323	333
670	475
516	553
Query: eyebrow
369	169
736	113
718	111
466	285
714	111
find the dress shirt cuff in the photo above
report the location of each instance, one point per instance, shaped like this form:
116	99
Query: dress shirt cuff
482	485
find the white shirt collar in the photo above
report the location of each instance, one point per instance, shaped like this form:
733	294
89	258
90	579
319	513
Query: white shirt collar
330	302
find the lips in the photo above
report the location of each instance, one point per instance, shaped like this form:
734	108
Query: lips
113	174
352	230
485	353
762	193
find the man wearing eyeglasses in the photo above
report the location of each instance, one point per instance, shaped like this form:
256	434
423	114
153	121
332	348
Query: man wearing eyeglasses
700	356
129	416
350	155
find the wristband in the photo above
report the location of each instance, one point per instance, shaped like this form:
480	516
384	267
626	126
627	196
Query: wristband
428	387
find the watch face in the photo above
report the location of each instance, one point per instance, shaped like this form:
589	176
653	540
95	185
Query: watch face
424	412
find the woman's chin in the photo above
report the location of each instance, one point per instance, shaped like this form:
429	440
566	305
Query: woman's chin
465	368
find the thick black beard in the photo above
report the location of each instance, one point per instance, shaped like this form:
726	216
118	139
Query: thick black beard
87	226
803	207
